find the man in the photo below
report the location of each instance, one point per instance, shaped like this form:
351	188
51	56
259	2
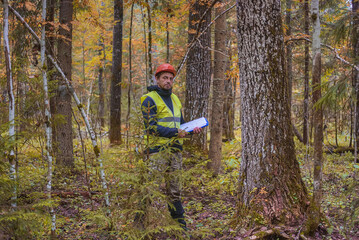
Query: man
162	115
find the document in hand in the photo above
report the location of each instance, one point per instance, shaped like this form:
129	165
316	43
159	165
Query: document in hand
199	122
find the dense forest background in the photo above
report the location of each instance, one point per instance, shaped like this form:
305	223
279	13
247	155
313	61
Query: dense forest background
277	80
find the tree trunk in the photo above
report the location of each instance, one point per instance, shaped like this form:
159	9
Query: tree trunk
198	75
129	79
10	88
355	73
228	106
50	43
150	70
145	50
48	126
220	60
101	86
306	75
270	180
314	211
115	104
64	148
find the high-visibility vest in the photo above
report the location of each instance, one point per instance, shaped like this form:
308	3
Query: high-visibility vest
164	117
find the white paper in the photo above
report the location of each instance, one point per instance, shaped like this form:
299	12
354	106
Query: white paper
199	122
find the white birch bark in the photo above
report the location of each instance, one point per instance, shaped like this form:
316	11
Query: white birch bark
11	155
79	106
314	211
48	128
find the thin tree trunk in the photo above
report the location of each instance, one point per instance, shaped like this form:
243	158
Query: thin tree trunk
150	70
198	74
50	43
270	183
145	50
306	76
11	155
89	99
228	108
315	207
64	138
220	60
83	70
355	73
115	103
48	126
129	78
167	34
79	106
101	87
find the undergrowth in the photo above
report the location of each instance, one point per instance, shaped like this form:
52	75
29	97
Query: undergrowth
210	202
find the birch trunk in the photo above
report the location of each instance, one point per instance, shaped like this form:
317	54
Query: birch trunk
198	74
11	155
270	180
315	208
220	60
48	127
79	106
115	103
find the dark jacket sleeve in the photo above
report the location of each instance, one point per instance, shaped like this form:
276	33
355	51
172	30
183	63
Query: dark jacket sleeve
149	112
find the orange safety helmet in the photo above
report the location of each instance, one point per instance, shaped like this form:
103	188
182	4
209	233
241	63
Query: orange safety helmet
166	67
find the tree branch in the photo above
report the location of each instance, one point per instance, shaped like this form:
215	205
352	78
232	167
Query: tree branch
334	50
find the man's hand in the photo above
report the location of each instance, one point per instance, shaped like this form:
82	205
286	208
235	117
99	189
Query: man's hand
197	130
182	133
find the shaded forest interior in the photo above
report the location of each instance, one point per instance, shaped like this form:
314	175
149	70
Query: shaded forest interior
278	82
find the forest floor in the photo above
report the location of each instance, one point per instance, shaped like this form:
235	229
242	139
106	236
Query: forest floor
209	202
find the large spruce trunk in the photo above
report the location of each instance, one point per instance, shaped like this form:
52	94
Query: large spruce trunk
63	132
198	69
270	180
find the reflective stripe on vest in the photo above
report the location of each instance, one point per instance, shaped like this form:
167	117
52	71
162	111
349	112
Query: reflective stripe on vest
164	117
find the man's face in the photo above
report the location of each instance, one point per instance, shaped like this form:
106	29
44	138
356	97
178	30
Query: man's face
165	80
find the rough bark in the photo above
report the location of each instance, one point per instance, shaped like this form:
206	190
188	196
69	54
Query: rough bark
115	102
315	208
220	60
355	73
289	54
198	75
101	87
63	133
306	75
229	103
270	180
10	88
